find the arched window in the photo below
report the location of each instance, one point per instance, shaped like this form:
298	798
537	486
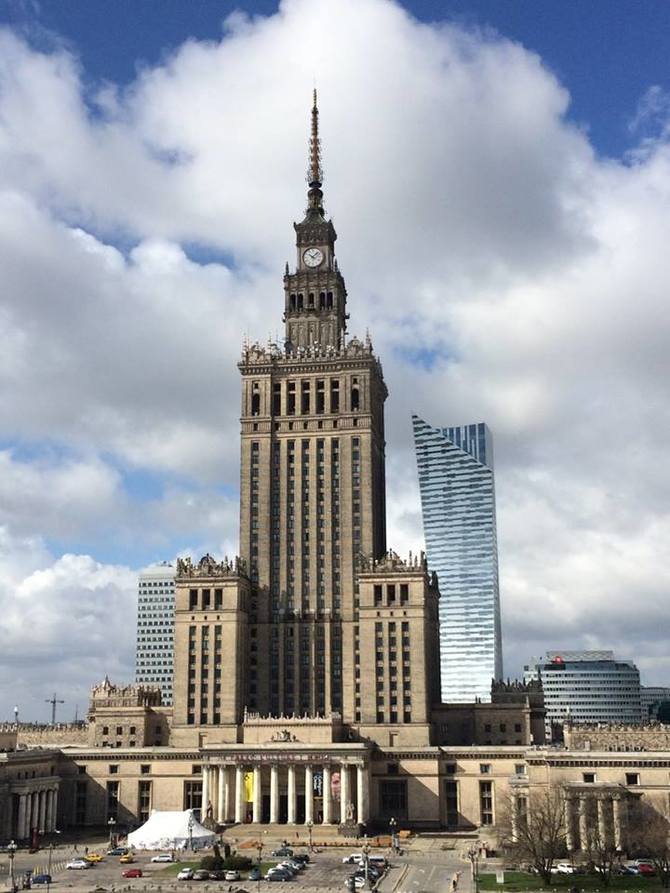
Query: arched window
355	396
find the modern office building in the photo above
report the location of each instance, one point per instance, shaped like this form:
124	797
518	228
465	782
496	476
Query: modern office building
587	687
655	698
459	520
154	652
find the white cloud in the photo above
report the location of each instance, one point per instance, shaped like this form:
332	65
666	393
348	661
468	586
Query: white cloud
479	234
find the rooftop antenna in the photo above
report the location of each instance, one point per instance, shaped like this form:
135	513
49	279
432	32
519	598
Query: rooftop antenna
53	701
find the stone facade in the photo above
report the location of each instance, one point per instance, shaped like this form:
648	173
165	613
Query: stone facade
616	737
29	790
127	716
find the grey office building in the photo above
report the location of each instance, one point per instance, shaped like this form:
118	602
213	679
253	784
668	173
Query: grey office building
459	521
587	686
155	627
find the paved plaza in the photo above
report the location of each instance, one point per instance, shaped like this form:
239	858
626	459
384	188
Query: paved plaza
426	865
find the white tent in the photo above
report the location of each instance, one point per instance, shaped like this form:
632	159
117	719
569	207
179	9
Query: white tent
171	831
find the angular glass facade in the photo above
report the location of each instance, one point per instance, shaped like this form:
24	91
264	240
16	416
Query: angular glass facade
459	521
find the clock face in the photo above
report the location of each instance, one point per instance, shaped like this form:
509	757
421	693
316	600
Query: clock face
313	257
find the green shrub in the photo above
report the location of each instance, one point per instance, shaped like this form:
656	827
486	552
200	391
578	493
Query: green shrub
241	863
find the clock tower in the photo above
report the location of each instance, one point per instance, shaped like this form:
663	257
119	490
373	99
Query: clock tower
315	295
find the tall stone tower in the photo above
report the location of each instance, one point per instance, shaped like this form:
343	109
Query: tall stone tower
312	482
315	619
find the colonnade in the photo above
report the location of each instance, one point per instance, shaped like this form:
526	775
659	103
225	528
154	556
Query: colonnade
606	810
587	813
224	793
36	809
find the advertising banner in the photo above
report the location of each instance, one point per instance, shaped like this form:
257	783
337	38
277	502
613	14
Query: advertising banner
249	787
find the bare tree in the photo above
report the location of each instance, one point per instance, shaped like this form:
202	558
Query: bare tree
599	843
649	836
532	828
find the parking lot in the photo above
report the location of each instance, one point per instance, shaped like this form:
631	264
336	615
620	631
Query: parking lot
325	871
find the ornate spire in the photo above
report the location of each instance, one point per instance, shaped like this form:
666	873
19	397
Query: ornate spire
314	172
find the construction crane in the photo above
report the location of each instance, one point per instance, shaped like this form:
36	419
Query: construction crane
53	701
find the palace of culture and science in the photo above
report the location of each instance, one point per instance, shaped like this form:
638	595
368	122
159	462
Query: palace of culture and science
306	685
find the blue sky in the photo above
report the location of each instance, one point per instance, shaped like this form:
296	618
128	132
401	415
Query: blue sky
499	177
606	52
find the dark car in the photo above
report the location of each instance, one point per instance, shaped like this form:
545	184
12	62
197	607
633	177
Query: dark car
117	851
217	875
41	879
301	857
201	875
254	874
283	851
132	872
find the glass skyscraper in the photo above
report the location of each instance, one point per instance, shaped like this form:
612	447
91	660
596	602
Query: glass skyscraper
459	521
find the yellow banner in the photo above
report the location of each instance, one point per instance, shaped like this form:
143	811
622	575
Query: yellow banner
249	787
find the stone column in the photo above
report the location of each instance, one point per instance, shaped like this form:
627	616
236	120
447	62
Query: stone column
362	795
569	826
344	792
220	784
583	826
51	811
514	810
228	790
42	812
55	808
224	793
327	796
620	810
602	823
258	795
21	818
291	795
239	792
274	795
309	794
205	792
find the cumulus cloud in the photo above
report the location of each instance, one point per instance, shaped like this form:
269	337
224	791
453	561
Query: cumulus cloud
506	273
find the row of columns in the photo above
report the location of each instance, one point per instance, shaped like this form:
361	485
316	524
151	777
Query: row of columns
224	794
610	812
37	809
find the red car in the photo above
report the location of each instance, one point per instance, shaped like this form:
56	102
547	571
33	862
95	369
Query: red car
646	869
132	872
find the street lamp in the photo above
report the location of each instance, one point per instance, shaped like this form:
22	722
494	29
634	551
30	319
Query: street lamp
189	825
11	849
473	855
110	824
366	862
310	823
392	826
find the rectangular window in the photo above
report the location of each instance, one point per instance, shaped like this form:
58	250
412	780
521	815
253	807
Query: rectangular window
112	800
486	802
193	795
485	768
290	398
393	799
304	397
144	801
588	777
632	778
334	395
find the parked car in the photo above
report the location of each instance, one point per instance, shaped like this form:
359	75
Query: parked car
286	866
232	875
93	857
254	874
132	872
201	875
117	851
41	879
646	869
565	868
350	859
78	864
278	874
163	857
295	865
301	857
127	858
186	874
283	851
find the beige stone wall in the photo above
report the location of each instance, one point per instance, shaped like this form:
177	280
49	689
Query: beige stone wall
617	737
